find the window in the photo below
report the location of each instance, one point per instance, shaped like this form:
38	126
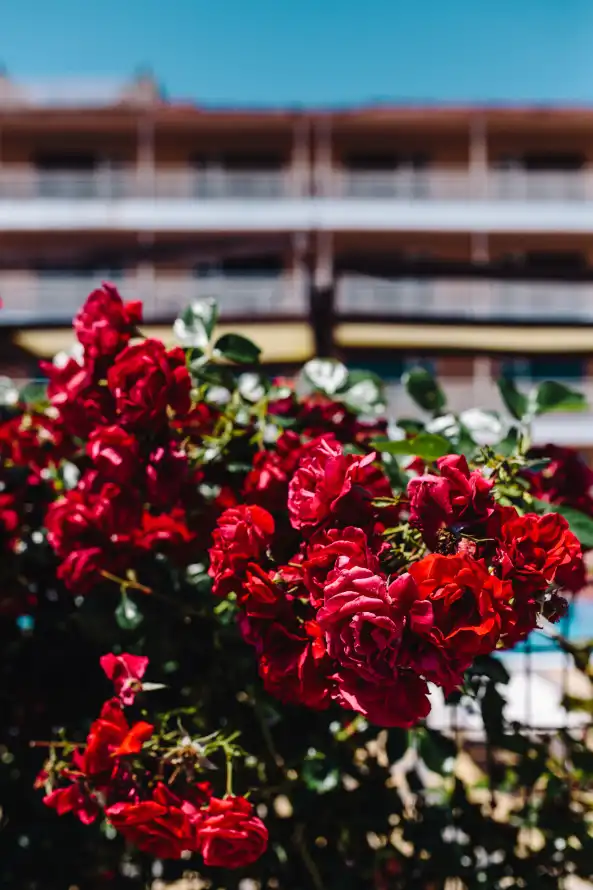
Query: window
242	267
544	368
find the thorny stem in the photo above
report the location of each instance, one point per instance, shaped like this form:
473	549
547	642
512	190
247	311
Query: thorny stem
300	844
126	584
36	744
267	735
229	773
134	585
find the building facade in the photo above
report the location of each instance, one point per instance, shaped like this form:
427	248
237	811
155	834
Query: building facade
458	237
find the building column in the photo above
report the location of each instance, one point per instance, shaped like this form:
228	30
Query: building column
323	160
324	261
145	163
301	160
146	281
478	157
322	295
299	281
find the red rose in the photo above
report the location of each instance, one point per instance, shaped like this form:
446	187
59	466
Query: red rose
35	441
315	414
267	482
293	663
105	323
166	533
262	593
243	534
456	499
402	701
331	484
566	479
166	473
89	529
114	452
126	672
348	546
159	826
82	405
453	609
231	835
536	551
148	383
76	799
362	629
110	736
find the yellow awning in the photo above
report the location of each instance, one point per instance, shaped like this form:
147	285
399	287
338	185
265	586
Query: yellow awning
469	338
279	341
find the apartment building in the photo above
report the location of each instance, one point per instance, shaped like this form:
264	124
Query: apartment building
458	237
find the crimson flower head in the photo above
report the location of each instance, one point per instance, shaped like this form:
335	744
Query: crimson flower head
126	672
149	384
536	551
243	534
76	799
230	834
454	610
329	484
362	629
114	452
455	499
161	826
566	478
109	737
105	323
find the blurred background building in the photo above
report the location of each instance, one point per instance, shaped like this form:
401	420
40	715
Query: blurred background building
454	237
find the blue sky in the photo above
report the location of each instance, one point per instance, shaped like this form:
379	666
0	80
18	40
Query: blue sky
324	52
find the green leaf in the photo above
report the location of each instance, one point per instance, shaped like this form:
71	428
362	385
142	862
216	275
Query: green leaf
398	742
32	393
127	614
238	349
580	524
491	667
196	323
428	446
435	749
514	400
319	777
325	374
553	396
424	389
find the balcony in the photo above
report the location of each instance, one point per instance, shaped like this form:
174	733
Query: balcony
455	184
29	300
190	200
465	300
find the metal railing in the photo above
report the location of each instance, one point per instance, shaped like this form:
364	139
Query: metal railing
465	299
36	300
113	183
116	184
462	184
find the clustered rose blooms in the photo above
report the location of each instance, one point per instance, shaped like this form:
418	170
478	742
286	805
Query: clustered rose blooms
129	773
330	615
121	414
355	585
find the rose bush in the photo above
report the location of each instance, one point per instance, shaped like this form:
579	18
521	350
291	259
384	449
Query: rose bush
297	571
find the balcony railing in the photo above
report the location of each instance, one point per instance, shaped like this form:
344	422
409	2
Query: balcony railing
465	299
32	300
112	184
458	184
117	184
